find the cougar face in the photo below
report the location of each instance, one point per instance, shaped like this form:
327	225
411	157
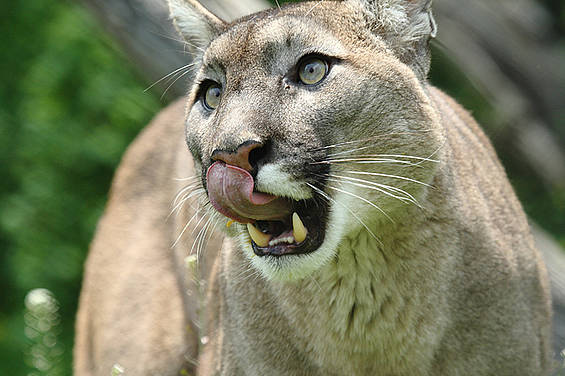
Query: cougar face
267	131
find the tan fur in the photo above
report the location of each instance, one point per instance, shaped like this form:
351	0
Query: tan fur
448	284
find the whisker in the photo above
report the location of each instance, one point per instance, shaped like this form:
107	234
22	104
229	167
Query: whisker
186	226
184	42
206	214
200	229
315	5
316	283
362	199
176	79
368	139
187	66
385	157
376	187
363	160
330	199
217	220
183	190
390	176
186	179
199	240
426	159
351	151
184	200
339	144
195	46
196	240
436	151
247	274
168	37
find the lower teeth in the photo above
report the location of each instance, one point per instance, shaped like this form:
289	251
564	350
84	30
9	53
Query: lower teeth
287	240
263	239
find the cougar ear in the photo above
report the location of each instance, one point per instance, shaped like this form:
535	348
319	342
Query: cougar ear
408	26
196	24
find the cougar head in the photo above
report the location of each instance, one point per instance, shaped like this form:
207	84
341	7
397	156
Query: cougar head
309	123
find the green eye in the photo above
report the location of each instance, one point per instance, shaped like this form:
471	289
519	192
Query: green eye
212	96
312	70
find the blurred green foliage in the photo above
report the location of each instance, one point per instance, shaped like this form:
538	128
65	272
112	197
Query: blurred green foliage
69	105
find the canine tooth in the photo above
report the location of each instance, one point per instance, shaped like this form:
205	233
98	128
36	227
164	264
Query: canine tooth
298	229
229	223
262	240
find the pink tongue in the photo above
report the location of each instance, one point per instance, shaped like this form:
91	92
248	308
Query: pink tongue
230	190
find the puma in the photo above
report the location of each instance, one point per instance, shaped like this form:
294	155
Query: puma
338	215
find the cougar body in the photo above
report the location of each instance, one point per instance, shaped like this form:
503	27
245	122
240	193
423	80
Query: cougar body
417	258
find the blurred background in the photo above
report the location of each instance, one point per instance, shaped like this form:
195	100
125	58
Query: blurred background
72	97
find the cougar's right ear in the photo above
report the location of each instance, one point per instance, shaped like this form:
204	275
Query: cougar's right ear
196	24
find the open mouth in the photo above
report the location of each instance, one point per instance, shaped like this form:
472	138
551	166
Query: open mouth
277	226
300	233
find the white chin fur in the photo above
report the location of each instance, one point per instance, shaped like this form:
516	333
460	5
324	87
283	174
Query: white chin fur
271	179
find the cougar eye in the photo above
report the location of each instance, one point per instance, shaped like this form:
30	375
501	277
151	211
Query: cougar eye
212	96
312	70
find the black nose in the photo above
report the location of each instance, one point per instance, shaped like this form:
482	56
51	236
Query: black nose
246	156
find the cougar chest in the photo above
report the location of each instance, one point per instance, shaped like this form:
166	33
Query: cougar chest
362	312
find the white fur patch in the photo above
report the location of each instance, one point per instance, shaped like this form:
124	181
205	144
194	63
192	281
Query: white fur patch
272	179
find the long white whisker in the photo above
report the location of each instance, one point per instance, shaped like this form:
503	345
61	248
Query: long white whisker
383	157
183	190
373	186
362	199
366	160
247	274
176	79
316	283
185	198
199	240
327	197
186	226
217	220
206	214
187	179
169	37
196	240
436	151
187	66
390	176
315	5
426	159
200	229
351	151
340	144
368	139
388	190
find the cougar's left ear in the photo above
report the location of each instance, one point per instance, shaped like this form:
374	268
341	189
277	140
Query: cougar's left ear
196	24
407	25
